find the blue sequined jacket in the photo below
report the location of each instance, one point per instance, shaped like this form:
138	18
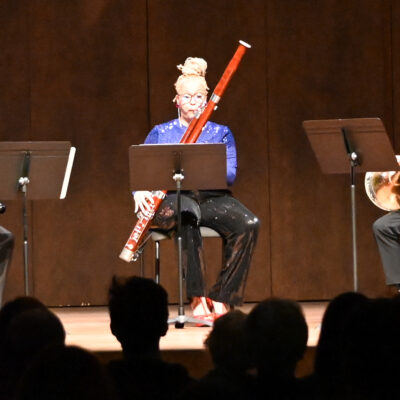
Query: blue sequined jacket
172	132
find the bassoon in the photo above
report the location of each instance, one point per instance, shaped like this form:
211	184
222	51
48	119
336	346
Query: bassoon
131	250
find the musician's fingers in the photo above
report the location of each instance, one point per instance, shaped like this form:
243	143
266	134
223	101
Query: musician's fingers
138	203
143	209
147	205
140	197
146	211
149	197
144	202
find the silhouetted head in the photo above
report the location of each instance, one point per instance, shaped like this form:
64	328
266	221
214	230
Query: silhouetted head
336	324
372	350
31	331
226	342
139	313
14	308
26	335
277	337
64	373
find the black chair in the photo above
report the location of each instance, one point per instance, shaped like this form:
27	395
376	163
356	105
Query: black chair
158	236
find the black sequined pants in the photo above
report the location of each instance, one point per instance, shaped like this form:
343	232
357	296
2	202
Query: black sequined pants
238	228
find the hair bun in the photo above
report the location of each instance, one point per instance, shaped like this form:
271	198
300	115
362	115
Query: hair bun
193	66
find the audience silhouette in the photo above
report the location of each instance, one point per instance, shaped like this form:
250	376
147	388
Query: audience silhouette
372	351
65	373
13	308
277	336
254	356
328	380
230	378
358	350
24	335
139	318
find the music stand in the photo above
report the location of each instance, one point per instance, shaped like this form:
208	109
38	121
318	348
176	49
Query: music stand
178	167
351	145
44	168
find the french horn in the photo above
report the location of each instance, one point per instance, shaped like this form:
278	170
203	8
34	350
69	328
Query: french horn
383	188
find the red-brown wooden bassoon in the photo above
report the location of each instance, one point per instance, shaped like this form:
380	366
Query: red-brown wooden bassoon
131	249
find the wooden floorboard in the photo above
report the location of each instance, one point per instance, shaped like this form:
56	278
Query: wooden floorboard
89	327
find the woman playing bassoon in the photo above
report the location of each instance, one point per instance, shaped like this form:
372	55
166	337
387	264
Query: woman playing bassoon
216	209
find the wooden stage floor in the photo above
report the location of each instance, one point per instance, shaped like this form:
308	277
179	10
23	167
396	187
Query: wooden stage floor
89	327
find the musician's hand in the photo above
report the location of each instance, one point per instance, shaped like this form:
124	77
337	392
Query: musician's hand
143	202
388	175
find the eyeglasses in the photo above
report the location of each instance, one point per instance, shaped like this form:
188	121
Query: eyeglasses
197	98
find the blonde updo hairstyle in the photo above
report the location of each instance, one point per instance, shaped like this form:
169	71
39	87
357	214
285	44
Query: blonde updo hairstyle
193	68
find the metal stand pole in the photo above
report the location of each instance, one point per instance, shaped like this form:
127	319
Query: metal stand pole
354	224
26	244
354	161
23	182
179	178
182	318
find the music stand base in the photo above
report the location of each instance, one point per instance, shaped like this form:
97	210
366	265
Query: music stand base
180	321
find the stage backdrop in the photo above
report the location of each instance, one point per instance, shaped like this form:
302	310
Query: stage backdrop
100	73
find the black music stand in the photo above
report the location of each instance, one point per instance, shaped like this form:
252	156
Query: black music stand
351	145
40	170
178	167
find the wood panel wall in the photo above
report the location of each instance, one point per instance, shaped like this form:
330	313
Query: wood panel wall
100	74
328	59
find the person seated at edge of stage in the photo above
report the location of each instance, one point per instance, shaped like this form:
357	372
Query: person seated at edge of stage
216	209
6	249
276	333
387	234
139	318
